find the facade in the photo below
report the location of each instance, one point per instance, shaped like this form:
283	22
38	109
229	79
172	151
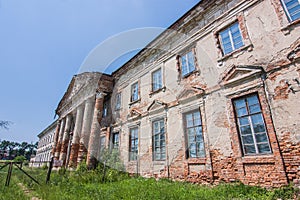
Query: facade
213	98
45	146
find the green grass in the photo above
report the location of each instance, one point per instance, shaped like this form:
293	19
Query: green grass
151	189
114	185
13	191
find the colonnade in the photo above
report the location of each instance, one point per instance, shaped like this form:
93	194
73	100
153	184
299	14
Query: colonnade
77	133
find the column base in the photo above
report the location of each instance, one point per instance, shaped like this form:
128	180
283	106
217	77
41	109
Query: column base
74	155
92	162
82	153
63	151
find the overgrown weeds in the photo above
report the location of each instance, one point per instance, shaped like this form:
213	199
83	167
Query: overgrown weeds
108	183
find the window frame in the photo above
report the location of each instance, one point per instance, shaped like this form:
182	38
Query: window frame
132	92
102	146
115	144
133	154
118	101
153	89
186	128
105	109
248	116
186	56
230	34
287	12
161	139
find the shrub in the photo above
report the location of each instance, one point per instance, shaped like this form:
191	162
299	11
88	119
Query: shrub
19	159
82	167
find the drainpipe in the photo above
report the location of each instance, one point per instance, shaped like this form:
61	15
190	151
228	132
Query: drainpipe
264	77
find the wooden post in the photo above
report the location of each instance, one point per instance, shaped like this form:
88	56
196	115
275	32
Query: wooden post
9	174
49	170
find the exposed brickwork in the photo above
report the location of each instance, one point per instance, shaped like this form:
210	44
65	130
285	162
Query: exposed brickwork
56	134
82	153
57	150
281	91
290	149
224	168
74	155
176	168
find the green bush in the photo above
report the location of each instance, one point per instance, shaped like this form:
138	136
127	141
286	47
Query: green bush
20	159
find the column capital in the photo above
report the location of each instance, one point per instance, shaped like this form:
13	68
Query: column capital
100	95
90	100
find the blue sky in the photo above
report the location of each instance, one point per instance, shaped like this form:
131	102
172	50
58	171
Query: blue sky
44	43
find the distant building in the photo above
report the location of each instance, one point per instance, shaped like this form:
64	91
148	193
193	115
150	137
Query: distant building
214	98
45	145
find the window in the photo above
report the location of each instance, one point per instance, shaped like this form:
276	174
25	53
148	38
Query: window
105	109
102	147
133	143
159	140
292	9
118	101
156	80
187	63
251	126
194	135
231	38
135	92
115	140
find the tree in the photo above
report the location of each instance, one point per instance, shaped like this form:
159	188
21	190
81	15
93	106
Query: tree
13	149
31	150
22	148
4	124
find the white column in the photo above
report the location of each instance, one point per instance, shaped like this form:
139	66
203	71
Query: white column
59	141
94	141
76	136
65	139
86	127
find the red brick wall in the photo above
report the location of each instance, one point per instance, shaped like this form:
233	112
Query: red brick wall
291	156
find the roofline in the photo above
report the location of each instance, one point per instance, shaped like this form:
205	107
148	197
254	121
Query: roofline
157	37
47	129
70	84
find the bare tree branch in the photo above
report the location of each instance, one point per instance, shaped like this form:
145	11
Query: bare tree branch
4	124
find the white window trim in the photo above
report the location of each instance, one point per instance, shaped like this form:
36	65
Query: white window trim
153	138
152	79
185	54
287	11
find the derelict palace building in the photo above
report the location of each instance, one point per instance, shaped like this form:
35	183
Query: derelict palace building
213	98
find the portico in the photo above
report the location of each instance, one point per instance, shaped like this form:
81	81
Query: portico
77	135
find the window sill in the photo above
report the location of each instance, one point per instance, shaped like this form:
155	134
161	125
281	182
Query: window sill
249	47
134	102
197	72
157	91
196	160
158	162
288	27
259	158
